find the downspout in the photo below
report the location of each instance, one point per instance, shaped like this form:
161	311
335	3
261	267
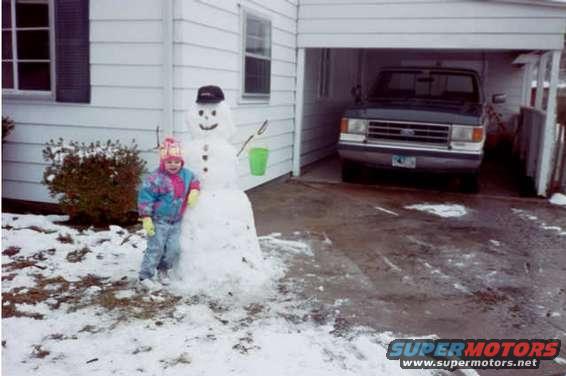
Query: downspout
167	116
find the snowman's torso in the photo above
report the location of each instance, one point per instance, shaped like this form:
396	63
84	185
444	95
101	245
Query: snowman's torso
213	161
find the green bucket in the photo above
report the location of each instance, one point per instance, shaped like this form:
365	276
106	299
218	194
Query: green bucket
258	160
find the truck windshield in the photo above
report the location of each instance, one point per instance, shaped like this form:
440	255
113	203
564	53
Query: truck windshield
425	85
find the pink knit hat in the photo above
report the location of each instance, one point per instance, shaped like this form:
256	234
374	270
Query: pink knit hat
170	150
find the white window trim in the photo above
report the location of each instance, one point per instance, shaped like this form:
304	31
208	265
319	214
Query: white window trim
32	94
324	77
253	98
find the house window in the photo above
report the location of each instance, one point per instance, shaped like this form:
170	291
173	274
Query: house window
27	45
324	74
257	56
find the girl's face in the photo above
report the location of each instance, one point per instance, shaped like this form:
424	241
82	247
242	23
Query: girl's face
173	166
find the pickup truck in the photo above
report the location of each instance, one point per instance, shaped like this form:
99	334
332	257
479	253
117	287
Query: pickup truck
429	119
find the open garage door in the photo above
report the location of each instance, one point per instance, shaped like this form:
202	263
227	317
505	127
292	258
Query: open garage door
336	78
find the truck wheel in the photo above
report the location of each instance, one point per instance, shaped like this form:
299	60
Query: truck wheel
350	170
470	183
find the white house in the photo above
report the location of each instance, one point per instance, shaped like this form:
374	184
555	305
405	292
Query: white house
102	69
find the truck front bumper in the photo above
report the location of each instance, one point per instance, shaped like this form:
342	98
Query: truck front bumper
449	161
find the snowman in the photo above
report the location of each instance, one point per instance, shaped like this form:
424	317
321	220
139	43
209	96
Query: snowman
220	253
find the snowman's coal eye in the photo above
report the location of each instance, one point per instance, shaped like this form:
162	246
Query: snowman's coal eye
200	112
213	112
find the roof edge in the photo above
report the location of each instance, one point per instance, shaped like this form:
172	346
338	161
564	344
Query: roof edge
541	3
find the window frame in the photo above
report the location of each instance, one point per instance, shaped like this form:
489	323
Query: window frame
32	94
247	97
323	88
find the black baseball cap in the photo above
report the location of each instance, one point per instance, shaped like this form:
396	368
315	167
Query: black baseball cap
210	94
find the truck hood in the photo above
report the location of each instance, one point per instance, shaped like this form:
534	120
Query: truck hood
426	112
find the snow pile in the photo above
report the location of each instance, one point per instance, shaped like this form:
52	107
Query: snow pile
70	307
442	210
558	199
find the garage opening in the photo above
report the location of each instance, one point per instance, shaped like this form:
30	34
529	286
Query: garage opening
421	105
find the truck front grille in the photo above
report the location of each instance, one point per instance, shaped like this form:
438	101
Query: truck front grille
409	132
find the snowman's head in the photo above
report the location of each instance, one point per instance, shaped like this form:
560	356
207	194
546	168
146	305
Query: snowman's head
210	117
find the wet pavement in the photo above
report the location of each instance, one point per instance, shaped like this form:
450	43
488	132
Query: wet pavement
497	272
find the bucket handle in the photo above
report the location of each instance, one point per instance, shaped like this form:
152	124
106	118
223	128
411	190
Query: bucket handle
260	131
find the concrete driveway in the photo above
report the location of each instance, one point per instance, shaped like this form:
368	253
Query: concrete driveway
499	271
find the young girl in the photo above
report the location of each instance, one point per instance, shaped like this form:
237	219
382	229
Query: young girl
162	200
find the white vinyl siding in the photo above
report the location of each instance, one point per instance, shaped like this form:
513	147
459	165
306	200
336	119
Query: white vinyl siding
427	24
209	50
126	97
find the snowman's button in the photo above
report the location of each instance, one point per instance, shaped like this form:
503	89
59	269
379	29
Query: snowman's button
205	147
205	169
204	157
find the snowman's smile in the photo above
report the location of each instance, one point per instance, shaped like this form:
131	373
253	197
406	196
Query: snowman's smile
209	128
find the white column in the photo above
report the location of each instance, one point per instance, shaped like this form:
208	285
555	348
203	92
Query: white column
542	62
299	94
549	132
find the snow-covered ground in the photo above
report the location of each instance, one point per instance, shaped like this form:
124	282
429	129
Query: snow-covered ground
71	307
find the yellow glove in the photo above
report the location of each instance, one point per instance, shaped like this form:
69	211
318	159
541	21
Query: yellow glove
193	197
148	226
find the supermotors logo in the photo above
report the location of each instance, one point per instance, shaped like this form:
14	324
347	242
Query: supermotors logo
453	354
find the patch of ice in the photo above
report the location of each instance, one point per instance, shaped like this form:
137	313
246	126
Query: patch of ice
441	210
558	199
341	302
386	211
391	265
495	242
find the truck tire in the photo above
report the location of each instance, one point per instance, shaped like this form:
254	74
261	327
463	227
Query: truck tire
350	170
470	183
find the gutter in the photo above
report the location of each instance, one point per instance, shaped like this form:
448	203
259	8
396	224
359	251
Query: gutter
167	23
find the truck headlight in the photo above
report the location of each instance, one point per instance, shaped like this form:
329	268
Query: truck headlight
467	133
357	126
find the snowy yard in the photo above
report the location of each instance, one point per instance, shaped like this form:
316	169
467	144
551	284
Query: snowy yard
70	306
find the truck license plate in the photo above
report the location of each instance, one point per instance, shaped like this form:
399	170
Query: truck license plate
403	161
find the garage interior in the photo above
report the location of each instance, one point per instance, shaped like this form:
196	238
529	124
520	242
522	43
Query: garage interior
331	74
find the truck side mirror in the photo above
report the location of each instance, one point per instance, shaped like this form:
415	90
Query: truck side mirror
499	98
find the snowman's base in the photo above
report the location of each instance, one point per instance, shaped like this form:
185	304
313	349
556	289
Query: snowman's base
220	253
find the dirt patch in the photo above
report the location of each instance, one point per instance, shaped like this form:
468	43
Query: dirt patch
11	251
38	352
65	239
21	263
39	229
183	358
489	297
78	255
